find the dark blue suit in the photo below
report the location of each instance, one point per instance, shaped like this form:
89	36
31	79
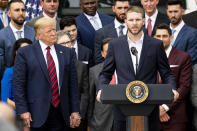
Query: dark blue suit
187	41
152	60
86	31
7	40
31	83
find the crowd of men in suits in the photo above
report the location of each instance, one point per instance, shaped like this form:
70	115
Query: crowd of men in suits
57	80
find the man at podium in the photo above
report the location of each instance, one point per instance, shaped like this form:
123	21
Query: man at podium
123	56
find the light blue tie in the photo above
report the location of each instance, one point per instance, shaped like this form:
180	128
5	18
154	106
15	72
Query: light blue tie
95	23
19	34
172	42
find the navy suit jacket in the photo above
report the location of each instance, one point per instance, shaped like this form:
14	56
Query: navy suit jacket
31	83
86	31
187	41
7	40
85	55
152	60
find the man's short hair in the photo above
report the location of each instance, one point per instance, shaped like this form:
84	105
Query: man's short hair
164	27
114	3
136	9
61	33
104	42
67	21
14	1
42	23
175	2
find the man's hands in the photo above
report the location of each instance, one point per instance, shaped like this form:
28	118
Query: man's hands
164	117
98	97
75	120
176	95
27	118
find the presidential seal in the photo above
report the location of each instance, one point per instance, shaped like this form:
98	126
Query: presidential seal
137	91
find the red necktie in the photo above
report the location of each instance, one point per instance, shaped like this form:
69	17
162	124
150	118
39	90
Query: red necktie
149	27
53	79
113	81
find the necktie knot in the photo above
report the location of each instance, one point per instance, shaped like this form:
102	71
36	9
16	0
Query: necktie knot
19	34
121	27
173	31
149	20
48	48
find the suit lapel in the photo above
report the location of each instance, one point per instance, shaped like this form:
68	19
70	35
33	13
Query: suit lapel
144	51
125	48
180	36
10	35
86	22
60	57
171	56
113	32
41	59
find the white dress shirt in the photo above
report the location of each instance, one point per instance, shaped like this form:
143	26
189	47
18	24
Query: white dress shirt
95	17
138	46
153	19
178	29
53	54
15	30
117	24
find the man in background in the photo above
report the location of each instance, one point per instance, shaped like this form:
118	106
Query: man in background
4	20
152	16
173	117
100	116
89	21
115	29
50	8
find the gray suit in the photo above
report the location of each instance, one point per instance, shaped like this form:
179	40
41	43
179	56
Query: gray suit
194	94
100	116
32	21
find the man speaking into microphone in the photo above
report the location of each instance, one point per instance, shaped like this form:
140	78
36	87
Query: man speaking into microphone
123	55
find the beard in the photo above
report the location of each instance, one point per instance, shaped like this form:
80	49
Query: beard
19	22
121	20
135	33
175	21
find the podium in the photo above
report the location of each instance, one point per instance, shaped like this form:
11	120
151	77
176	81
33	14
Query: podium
116	94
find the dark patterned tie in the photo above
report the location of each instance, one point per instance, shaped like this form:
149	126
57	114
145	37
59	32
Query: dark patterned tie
53	79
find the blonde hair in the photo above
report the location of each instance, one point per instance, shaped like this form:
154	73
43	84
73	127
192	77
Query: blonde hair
42	23
136	9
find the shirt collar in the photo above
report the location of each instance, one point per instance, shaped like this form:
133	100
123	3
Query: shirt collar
89	17
45	15
75	45
168	51
44	46
117	23
140	41
179	27
153	17
14	29
1	11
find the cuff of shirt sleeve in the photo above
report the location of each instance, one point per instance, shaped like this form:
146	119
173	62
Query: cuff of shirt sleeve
165	107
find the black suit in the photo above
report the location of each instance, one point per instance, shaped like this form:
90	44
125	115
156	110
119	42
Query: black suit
190	19
83	85
105	32
85	55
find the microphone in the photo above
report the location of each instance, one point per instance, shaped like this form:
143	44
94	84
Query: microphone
135	53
